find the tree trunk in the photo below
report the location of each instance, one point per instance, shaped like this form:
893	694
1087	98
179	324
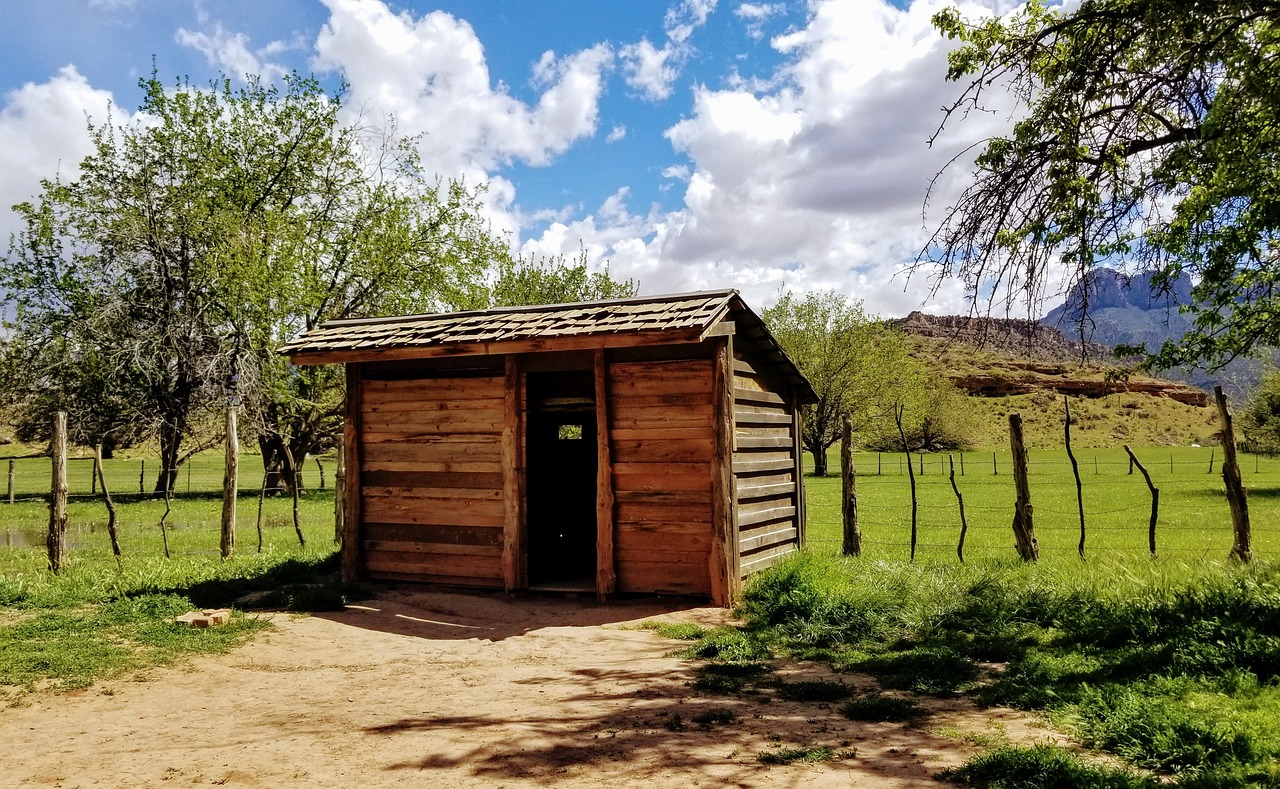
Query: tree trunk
280	471
819	461
167	477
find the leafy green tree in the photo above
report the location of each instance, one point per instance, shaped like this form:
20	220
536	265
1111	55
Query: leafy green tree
1147	134
554	281
1260	419
847	355
198	238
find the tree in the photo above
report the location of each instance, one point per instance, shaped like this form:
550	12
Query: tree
1260	419
198	238
553	281
1148	136
847	356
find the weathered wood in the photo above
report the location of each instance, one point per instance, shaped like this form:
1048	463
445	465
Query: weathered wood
339	491
461	535
352	519
435	564
698	542
439	466
409	493
1237	496
513	478
849	491
1075	470
663	476
746	519
911	476
449	449
771	535
675	528
1155	500
797	470
743	463
752	396
964	522
537	345
106	498
231	485
747	491
262	498
58	494
11	471
419	546
294	488
1024	533
434	512
723	566
433	479
606	577
672	450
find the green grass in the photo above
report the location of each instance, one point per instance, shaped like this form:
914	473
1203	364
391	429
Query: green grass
100	618
803	755
1194	522
879	708
1174	667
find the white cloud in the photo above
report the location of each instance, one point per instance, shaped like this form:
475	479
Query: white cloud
756	14
814	177
653	70
230	52
44	133
618	132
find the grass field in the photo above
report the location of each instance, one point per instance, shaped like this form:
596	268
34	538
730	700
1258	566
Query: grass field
1194	522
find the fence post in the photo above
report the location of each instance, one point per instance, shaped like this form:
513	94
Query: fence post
106	497
93	478
142	479
906	450
297	479
230	487
1242	548
1024	532
58	493
1155	500
962	464
995	470
1212	451
1075	470
964	523
320	466
849	492
921	454
10	480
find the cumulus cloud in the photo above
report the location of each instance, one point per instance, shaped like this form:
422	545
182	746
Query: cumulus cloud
230	52
814	178
618	132
653	70
44	133
756	14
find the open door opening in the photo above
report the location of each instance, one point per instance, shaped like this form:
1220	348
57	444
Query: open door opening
561	466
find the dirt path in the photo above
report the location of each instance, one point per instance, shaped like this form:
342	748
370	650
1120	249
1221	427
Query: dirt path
433	689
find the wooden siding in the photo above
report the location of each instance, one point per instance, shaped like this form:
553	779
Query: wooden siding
432	501
769	506
662	435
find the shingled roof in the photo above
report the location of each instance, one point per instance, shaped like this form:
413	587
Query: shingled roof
650	320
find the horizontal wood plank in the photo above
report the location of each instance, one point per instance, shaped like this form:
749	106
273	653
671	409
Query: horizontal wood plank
755	539
432	512
743	464
434	564
409	492
669	450
459	535
748	492
764	559
441	580
662	512
453	549
458	467
746	519
752	396
433	479
662	476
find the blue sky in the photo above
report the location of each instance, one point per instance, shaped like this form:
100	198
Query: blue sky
695	144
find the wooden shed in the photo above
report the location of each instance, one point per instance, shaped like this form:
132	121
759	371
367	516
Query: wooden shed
641	445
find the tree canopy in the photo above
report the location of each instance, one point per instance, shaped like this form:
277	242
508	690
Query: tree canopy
1148	136
154	289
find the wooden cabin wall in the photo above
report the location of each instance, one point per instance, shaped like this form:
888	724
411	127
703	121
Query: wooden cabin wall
431	476
662	436
765	466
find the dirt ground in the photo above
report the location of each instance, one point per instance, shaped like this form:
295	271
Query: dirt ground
419	688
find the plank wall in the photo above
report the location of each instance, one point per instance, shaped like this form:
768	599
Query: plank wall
764	467
661	429
431	477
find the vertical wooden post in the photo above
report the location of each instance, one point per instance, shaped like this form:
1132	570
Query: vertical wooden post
1212	453
898	411
995	469
1155	500
339	486
58	493
964	522
962	464
725	561
294	485
11	480
93	477
1024	532
106	497
1075	469
513	476
142	478
606	578
1237	497
320	466
849	491
230	486
352	558
262	495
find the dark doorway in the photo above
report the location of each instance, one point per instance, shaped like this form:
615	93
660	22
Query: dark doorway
560	476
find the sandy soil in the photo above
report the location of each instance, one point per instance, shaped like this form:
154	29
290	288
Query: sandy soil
421	688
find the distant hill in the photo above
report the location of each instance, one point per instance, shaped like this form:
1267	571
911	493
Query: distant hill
1110	309
1008	365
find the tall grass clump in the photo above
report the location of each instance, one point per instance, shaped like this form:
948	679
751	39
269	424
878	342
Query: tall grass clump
1173	667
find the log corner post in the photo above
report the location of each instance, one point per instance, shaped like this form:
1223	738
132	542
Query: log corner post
606	575
1237	496
1024	531
725	560
352	558
513	476
230	487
